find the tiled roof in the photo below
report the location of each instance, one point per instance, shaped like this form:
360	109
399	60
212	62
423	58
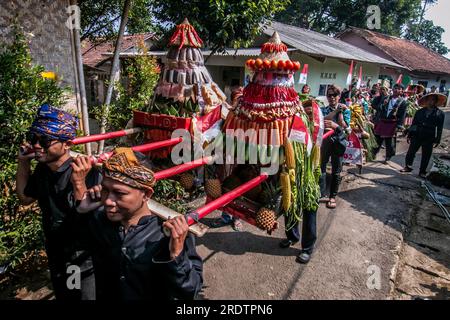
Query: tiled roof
408	53
92	56
318	44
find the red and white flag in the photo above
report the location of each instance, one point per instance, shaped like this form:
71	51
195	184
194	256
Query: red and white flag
303	75
358	84
400	79
353	153
299	133
319	126
206	128
350	74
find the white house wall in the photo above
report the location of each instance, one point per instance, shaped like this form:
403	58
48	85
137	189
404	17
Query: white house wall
217	64
331	66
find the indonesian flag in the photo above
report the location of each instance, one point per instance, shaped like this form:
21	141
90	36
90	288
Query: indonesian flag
299	133
400	79
353	153
319	126
207	127
350	74
303	75
358	84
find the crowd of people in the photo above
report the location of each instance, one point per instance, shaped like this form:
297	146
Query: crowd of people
99	220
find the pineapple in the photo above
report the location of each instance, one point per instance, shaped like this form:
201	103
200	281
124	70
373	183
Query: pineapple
213	188
187	180
265	219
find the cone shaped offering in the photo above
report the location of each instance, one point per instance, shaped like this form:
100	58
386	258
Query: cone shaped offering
269	101
185	86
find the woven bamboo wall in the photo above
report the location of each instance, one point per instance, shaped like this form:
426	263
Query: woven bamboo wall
46	20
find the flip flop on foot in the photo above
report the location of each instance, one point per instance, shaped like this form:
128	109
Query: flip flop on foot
331	204
406	169
323	199
237	225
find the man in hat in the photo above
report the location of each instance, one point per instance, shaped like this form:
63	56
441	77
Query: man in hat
57	183
425	131
133	259
389	117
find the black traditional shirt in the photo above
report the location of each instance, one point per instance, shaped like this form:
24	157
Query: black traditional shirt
427	125
136	265
62	225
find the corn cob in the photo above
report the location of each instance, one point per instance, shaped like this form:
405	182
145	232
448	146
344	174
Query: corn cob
289	154
315	156
292	176
286	191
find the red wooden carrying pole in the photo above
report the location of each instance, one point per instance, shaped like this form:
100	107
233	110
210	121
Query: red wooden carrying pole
225	199
142	148
164	174
98	137
105	136
328	134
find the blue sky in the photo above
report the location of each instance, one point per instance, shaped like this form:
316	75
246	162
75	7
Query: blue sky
440	15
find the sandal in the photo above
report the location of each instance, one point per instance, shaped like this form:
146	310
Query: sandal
331	204
237	225
323	199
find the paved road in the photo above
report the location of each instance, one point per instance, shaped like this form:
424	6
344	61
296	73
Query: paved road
357	242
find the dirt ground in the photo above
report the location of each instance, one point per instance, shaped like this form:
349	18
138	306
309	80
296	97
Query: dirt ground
385	240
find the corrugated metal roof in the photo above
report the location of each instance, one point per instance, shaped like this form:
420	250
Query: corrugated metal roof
233	52
250	52
317	44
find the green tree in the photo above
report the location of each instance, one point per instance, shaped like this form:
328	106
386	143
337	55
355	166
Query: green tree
220	23
429	35
424	8
139	78
401	18
100	18
330	17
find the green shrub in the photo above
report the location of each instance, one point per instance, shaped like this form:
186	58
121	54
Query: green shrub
22	91
141	76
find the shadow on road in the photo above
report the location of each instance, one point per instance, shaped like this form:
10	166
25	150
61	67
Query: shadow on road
239	243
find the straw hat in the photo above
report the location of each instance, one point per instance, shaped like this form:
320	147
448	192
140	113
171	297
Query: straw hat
415	89
426	100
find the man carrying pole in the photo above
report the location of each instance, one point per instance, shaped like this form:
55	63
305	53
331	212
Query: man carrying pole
133	259
57	183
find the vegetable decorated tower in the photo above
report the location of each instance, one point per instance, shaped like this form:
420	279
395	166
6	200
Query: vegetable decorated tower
186	97
269	101
185	86
270	106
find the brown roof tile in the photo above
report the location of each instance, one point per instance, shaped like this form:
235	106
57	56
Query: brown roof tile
93	55
406	52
